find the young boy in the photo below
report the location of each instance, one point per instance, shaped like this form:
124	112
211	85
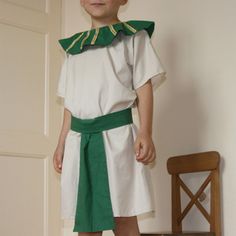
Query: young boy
108	70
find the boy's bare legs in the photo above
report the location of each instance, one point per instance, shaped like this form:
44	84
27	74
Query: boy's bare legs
127	226
91	234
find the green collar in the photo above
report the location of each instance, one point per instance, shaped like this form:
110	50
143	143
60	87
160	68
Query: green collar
104	35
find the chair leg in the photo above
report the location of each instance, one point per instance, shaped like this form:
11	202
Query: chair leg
176	204
215	203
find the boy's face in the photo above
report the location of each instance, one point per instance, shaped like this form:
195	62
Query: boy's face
102	8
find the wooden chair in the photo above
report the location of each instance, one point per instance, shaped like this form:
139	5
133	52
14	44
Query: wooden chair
197	162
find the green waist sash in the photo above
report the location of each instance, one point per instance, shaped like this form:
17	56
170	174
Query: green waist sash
94	208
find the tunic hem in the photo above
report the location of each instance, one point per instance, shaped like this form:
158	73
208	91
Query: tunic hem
143	211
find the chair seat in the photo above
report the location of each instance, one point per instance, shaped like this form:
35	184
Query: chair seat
179	234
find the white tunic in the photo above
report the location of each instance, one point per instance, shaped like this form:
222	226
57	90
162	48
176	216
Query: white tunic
96	82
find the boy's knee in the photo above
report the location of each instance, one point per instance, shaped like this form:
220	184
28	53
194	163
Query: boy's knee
126	226
99	233
125	220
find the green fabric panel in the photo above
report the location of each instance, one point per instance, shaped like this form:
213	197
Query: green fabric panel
140	25
94	208
100	123
105	36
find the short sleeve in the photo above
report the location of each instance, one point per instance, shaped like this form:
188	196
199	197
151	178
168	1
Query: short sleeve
61	87
146	62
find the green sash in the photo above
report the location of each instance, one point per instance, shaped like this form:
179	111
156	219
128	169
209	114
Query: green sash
94	208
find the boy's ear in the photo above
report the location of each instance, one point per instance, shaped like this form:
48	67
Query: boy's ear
82	3
123	2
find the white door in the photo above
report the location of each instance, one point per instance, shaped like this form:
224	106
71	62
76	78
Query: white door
29	117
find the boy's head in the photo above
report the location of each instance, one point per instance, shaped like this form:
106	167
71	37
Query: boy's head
101	9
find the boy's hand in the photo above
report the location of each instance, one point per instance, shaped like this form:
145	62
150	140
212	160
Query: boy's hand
144	148
58	159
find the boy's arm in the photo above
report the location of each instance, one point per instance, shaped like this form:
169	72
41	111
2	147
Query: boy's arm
59	152
145	108
144	146
65	128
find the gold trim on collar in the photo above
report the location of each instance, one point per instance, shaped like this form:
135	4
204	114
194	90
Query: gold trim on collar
112	30
82	43
95	36
130	27
73	43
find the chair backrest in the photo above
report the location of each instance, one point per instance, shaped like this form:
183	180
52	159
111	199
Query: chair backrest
196	162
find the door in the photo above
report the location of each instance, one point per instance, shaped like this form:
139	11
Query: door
30	117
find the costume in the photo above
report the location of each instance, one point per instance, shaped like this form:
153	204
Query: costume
103	68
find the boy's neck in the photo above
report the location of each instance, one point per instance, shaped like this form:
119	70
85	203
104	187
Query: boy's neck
103	22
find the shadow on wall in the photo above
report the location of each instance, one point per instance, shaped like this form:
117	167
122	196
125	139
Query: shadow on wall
182	121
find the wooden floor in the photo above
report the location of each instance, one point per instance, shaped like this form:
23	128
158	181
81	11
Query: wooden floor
182	234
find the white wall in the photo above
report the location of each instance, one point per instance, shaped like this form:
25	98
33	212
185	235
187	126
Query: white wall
194	109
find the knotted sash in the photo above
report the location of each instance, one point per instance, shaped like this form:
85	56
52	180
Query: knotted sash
94	208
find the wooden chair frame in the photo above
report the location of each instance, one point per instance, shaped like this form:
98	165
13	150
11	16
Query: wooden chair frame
197	162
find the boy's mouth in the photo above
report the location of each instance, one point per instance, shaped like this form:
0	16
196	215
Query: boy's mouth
97	3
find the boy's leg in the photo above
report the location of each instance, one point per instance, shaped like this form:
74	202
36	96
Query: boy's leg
91	234
127	226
